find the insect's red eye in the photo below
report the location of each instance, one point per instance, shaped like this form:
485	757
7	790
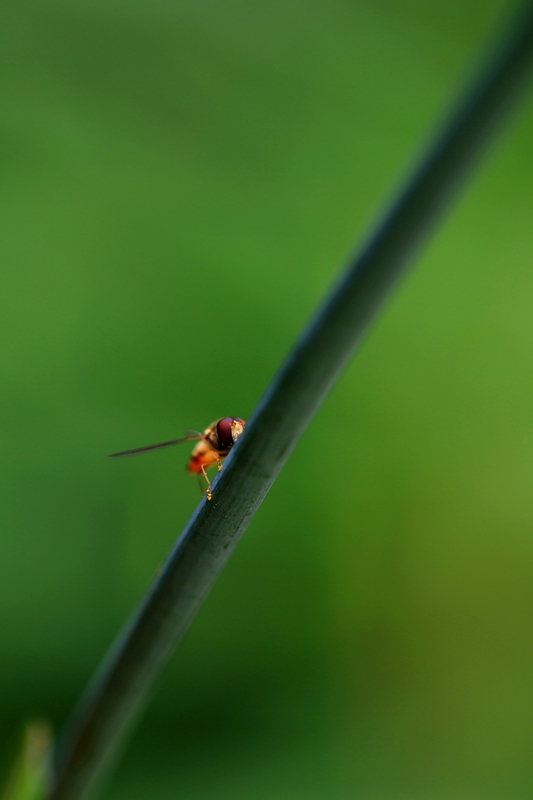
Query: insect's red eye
225	439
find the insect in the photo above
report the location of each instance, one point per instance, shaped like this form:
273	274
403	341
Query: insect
213	446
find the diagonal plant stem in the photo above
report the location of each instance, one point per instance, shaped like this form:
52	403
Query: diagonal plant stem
120	687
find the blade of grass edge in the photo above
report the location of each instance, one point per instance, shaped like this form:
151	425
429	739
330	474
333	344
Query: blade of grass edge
118	691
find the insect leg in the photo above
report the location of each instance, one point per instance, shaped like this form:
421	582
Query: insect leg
209	495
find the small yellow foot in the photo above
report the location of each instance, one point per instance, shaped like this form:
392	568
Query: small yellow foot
209	495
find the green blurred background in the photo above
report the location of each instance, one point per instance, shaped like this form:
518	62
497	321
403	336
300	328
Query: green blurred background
181	182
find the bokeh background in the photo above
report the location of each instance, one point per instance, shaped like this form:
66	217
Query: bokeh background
181	182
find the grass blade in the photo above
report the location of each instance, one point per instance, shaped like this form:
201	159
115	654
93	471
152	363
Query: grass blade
121	686
30	774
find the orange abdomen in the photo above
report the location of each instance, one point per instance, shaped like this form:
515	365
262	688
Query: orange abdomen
205	458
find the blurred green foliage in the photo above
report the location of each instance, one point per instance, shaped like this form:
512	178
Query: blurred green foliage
181	182
30	772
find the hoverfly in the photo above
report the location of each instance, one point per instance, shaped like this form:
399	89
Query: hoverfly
213	446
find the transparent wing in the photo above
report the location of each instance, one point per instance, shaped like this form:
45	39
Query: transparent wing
134	452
